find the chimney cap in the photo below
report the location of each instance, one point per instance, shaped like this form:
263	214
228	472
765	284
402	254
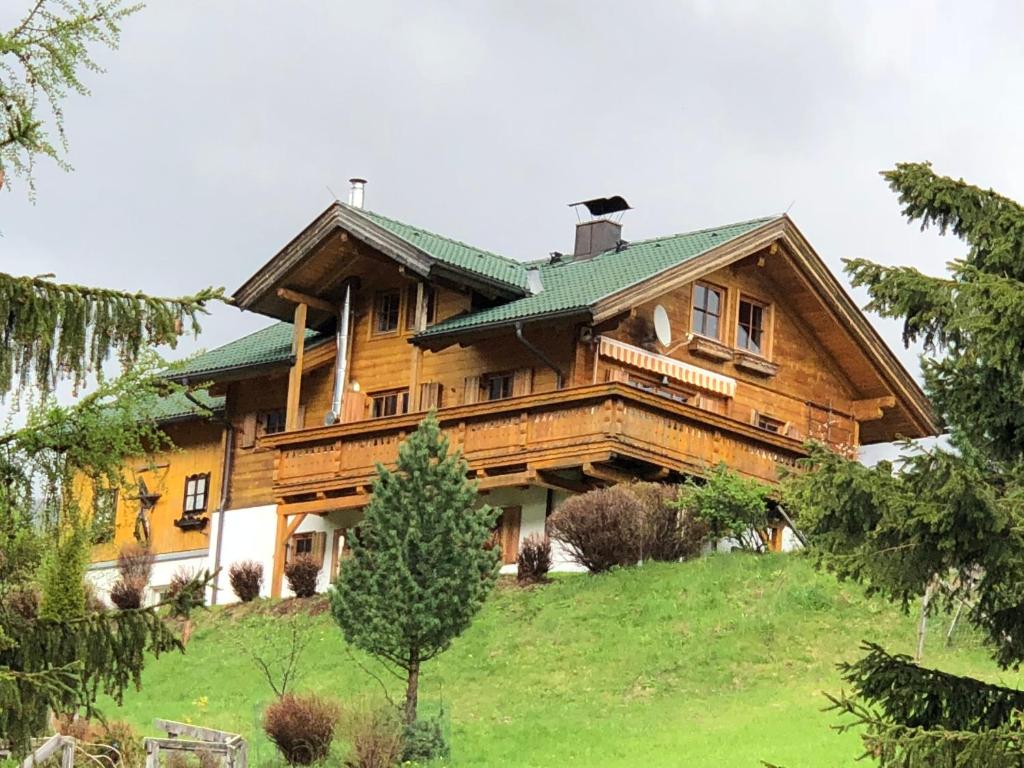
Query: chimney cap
603	206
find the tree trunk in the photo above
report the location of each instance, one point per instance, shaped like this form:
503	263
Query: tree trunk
412	690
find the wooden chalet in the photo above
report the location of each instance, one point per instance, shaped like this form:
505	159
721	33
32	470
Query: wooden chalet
651	359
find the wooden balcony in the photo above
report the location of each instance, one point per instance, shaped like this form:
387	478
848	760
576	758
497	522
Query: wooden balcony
602	432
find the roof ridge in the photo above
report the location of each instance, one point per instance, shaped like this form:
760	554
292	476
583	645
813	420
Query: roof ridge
364	212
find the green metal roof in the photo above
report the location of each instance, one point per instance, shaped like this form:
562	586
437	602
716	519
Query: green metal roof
454	253
576	285
264	347
176	406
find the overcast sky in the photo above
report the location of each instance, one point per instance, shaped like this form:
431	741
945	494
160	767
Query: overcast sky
219	126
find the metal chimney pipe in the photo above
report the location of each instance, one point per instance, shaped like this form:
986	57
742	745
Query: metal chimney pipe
341	361
356	192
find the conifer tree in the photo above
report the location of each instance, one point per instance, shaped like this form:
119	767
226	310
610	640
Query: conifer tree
950	523
420	568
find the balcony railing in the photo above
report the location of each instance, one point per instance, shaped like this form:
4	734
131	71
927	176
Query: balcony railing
512	442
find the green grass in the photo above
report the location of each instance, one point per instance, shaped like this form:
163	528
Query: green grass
716	662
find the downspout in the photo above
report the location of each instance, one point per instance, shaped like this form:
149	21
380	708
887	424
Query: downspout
229	443
559	378
341	358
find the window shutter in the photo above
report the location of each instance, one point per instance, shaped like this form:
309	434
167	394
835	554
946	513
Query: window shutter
509	533
248	437
289	550
471	393
522	382
319	546
353	407
430	395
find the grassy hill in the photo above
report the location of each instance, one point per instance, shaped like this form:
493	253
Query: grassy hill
719	661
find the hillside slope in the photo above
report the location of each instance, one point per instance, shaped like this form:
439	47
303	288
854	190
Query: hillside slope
719	661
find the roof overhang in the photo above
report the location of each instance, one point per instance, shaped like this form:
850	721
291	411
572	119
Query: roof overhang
472	335
341	218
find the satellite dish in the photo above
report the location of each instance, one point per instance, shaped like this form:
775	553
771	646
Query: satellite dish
662	326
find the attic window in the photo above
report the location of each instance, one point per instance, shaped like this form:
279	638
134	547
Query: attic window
385	311
707	309
750	330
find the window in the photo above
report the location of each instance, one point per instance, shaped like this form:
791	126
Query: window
273	422
390	403
750	331
768	424
429	298
498	386
707	308
196	491
385	313
302	544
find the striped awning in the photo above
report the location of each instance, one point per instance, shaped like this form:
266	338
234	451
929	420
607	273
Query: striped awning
667	366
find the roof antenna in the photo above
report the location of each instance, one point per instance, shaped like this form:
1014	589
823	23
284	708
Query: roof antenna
333	194
788	207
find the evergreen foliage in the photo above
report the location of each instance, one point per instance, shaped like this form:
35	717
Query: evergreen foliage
41	60
419	569
951	520
64	576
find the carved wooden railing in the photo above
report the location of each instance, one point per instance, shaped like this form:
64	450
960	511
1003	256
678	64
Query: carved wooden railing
505	441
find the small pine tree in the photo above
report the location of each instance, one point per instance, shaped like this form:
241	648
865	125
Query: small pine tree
64	577
419	570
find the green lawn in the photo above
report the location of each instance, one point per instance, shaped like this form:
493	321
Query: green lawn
716	662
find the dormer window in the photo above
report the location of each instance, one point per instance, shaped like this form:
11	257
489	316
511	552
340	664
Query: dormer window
707	310
385	311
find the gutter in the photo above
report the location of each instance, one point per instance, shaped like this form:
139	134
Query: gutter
559	376
225	476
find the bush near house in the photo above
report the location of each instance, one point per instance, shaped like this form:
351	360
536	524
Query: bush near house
301	727
600	529
734	507
302	574
670	533
246	579
534	559
135	566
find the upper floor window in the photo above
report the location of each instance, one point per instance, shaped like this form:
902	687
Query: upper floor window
707	310
197	488
498	386
768	424
389	403
385	311
273	421
429	299
750	330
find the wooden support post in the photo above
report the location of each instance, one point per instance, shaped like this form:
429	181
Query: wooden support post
419	324
295	377
285	529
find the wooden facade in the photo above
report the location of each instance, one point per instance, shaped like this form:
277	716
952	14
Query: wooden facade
572	401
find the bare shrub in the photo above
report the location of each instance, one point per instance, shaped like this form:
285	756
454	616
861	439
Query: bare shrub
111	743
93	602
135	566
374	735
670	532
534	559
246	579
301	727
600	529
302	573
24	602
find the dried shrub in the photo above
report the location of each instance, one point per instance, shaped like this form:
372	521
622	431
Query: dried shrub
600	529
93	602
202	758
374	735
135	566
246	579
301	727
24	602
126	596
670	532
302	574
113	743
534	559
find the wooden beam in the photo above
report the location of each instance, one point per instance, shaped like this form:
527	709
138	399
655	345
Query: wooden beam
285	529
607	474
295	377
328	504
512	479
873	408
559	483
312	301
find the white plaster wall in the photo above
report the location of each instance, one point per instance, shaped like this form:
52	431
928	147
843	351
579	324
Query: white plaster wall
533	501
249	534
